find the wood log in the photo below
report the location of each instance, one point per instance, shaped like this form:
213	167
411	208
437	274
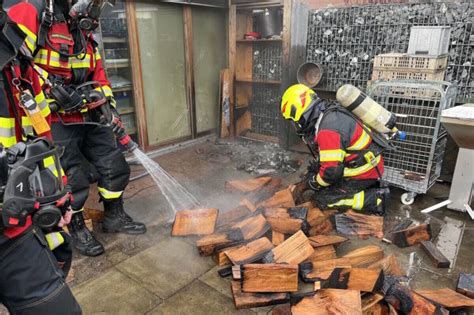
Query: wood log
93	214
194	222
221	258
250	252
230	217
287	220
377	309
322	270
389	265
447	298
364	256
277	238
435	255
298	190
269	278
412	235
465	284
284	309
294	250
251	228
322	253
237	272
352	223
422	306
361	279
404	224
253	199
328	302
321	225
244	300
369	301
324	240
281	199
246	186
248	204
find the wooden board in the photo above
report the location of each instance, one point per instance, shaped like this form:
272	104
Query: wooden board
269	278
447	298
412	235
324	240
294	250
246	186
93	214
377	309
245	202
253	227
321	225
465	284
322	253
389	265
194	222
284	309
435	255
322	270
364	256
282	198
221	258
244	300
370	300
352	223
224	102
287	220
421	306
360	279
277	238
328	302
250	252
404	224
231	216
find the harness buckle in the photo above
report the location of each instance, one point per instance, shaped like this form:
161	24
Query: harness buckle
371	158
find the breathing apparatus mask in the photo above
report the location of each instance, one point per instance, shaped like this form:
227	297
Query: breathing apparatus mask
87	13
35	185
305	125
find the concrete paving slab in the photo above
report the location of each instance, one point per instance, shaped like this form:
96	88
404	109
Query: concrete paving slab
198	299
212	279
114	293
166	267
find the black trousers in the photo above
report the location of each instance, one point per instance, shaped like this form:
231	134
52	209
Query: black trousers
98	146
31	281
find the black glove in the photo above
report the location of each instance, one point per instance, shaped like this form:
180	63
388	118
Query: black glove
116	123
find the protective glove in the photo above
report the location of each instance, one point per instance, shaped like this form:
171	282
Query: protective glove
116	123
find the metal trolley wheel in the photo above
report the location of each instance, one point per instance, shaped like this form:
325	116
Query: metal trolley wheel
408	198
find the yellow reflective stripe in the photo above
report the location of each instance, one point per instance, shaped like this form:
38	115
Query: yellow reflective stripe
78	62
107	194
97	55
54	61
361	143
43	73
106	89
49	163
42	104
8	141
321	181
7	123
7	132
26	125
30	37
54	240
350	172
379	201
42	57
342	202
332	155
359	201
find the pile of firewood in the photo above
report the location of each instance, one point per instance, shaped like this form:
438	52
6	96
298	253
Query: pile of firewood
270	244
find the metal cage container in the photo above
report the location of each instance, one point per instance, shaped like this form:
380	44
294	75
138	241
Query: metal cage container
416	164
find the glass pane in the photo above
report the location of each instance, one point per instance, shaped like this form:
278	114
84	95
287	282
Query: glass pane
161	36
116	56
209	44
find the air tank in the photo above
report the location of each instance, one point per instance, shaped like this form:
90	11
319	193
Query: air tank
368	110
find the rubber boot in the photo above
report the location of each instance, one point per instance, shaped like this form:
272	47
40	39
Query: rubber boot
82	238
116	220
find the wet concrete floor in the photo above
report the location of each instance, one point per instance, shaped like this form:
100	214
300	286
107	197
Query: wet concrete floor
157	274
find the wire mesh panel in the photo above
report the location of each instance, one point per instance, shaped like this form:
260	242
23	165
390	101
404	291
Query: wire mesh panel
265	110
345	40
267	58
416	164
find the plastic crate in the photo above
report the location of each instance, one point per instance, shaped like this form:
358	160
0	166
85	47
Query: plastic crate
388	75
404	61
429	40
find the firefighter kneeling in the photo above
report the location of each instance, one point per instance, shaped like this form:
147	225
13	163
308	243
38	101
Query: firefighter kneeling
348	163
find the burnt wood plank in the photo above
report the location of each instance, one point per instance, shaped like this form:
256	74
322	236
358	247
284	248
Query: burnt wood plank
370	300
246	186
447	298
277	238
269	278
287	220
412	235
250	252
389	265
360	279
364	256
328	302
466	284
294	250
436	256
324	240
194	222
244	300
282	198
352	223
323	253
322	270
284	309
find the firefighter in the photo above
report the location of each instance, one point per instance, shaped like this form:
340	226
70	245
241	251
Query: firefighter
348	163
59	34
33	202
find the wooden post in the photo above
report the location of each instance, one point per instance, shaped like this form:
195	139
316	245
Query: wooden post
189	65
138	94
231	61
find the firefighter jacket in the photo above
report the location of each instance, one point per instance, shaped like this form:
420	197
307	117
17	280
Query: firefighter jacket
70	70
346	149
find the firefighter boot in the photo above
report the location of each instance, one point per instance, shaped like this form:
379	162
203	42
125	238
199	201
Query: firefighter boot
116	220
82	238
